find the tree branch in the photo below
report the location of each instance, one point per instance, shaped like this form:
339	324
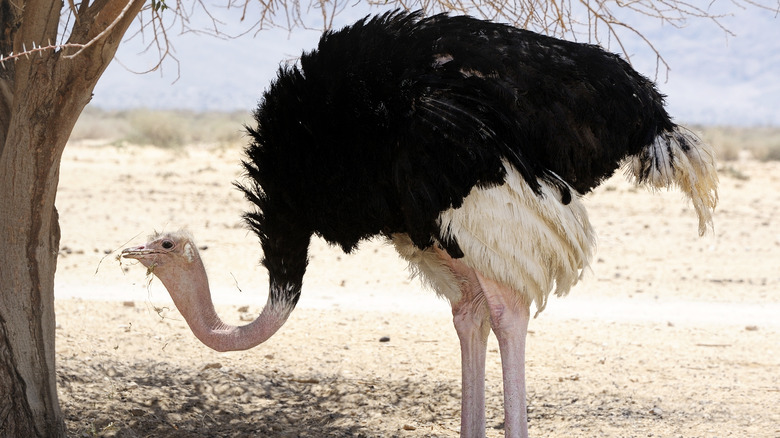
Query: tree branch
107	28
39	20
570	19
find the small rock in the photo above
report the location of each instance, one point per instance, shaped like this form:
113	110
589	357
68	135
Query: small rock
128	303
212	365
243	309
657	411
384	339
409	427
751	328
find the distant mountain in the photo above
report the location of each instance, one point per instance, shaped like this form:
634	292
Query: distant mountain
714	78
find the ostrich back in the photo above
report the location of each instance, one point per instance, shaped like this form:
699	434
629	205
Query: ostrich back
396	118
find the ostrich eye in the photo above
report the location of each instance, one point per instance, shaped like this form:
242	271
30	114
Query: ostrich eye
167	244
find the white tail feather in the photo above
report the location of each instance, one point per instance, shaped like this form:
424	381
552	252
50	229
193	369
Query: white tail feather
679	158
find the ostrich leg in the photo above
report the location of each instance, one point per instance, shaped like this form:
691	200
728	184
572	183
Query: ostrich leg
509	316
471	323
470	317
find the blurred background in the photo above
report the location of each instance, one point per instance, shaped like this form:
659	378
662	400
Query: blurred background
714	77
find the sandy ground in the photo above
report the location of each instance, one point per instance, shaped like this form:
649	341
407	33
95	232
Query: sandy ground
670	335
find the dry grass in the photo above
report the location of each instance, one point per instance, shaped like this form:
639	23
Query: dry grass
730	142
171	129
161	128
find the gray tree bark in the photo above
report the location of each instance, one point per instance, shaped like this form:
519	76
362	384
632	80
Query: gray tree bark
41	97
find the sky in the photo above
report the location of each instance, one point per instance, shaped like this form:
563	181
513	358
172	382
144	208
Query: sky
714	78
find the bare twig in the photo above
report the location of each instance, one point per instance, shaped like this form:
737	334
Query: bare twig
72	7
596	21
105	31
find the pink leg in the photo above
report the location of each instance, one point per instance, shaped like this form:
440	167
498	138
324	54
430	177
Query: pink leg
470	318
471	323
509	316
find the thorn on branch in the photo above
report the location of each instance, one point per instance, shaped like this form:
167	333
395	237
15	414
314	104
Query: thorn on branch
37	49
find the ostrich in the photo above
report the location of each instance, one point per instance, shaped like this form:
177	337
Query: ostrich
468	145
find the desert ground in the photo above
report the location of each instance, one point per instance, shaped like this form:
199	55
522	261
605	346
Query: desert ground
667	335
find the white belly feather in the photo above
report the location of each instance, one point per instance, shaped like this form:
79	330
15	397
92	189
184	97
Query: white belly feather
534	244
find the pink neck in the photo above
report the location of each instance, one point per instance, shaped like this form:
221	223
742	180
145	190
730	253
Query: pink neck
191	294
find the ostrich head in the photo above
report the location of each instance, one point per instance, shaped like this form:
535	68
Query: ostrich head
165	253
174	259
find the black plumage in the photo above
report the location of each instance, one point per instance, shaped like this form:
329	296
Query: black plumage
396	118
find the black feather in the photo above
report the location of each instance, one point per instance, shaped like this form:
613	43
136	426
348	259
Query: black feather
396	118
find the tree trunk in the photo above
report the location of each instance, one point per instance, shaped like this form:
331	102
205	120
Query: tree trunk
41	98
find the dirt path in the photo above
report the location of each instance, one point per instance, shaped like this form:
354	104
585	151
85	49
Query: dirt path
669	336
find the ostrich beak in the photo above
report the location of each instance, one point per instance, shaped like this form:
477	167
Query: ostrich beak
147	256
137	252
